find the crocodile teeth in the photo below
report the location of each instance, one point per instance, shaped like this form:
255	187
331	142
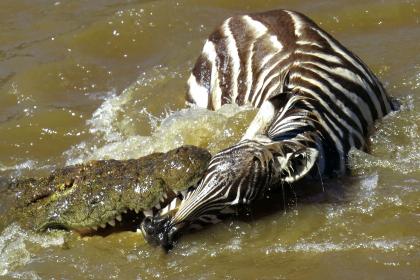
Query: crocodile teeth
148	213
125	211
95	228
136	210
174	203
119	218
157	206
103	226
112	223
184	193
162	199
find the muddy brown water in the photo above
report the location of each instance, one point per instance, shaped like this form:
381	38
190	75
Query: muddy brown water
106	79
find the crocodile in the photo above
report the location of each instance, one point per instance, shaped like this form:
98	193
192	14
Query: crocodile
88	197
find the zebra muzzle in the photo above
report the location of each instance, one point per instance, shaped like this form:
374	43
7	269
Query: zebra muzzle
159	231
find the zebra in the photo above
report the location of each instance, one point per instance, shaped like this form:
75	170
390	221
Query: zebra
316	101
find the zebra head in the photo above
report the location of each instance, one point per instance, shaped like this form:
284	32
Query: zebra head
235	176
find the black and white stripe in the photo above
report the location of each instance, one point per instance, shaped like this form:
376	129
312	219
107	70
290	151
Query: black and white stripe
317	100
226	182
250	58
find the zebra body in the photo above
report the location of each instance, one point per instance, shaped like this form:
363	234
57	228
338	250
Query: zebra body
316	101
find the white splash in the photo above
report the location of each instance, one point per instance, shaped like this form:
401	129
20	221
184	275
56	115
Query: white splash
13	247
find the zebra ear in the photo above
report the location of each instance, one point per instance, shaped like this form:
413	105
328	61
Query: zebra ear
294	166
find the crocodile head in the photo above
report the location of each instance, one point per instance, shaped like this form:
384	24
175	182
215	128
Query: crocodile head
87	196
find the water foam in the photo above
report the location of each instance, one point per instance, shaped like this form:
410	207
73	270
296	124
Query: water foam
14	250
113	137
395	145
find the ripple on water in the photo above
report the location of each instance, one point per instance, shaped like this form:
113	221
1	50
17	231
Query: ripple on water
14	251
368	228
395	145
382	245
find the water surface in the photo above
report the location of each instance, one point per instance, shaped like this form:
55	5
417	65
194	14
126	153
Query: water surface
84	80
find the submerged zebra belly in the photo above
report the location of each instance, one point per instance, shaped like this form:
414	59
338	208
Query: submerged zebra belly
316	101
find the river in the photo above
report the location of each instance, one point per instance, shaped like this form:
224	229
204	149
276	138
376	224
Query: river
83	80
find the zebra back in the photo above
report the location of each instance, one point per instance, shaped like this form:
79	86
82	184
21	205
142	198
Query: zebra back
250	58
